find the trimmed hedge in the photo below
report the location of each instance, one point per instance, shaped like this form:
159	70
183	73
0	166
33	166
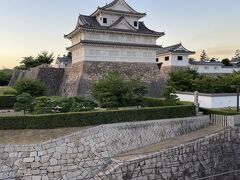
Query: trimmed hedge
7	101
218	111
155	102
94	118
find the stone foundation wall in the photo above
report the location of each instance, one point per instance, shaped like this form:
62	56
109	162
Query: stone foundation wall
77	79
149	73
85	154
209	156
50	77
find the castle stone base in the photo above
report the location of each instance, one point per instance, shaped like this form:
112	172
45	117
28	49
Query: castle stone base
77	79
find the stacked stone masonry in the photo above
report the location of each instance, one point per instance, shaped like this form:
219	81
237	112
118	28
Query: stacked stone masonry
216	157
85	154
77	79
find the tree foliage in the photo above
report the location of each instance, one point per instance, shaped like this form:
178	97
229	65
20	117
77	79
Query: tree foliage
190	81
33	87
31	62
203	56
226	62
115	90
5	76
24	102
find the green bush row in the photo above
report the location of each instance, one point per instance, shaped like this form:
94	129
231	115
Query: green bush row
7	101
94	118
218	111
155	102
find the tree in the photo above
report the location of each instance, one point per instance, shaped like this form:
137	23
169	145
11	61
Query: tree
181	80
33	87
213	60
29	62
45	58
191	59
115	90
226	62
24	102
203	56
237	54
5	76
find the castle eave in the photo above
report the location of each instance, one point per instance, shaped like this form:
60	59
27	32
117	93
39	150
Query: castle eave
90	42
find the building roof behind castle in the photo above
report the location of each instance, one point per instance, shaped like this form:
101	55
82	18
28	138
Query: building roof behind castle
177	48
89	22
206	63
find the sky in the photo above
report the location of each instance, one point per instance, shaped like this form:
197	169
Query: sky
28	27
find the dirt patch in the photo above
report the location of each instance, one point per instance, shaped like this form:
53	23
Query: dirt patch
35	136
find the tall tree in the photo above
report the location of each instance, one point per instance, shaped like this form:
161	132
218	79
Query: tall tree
237	55
45	58
29	62
203	56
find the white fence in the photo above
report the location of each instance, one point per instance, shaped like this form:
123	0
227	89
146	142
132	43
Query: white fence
211	100
225	121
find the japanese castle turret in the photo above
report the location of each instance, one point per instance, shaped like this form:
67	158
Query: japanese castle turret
113	33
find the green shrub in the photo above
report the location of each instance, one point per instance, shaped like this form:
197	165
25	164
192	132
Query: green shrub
46	105
7	101
31	86
218	111
156	102
115	90
94	118
24	103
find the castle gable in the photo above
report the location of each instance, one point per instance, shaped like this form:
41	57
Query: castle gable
119	5
122	23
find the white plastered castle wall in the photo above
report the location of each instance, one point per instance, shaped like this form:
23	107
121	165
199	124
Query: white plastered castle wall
173	60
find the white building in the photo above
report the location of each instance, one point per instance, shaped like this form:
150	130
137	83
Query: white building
174	56
177	56
113	33
213	67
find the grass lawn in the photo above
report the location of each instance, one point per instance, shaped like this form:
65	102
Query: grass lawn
35	136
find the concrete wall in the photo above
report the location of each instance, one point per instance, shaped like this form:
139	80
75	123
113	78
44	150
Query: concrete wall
211	69
211	100
85	154
212	155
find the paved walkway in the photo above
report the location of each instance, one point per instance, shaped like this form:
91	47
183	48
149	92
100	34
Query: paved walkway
169	143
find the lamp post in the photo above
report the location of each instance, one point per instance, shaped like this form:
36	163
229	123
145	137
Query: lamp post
238	86
238	93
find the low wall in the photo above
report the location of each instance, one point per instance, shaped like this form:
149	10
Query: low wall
211	100
85	154
211	158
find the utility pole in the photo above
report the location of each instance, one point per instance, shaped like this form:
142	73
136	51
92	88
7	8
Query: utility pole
238	97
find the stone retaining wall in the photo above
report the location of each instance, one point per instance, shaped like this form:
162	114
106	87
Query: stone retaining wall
208	157
85	154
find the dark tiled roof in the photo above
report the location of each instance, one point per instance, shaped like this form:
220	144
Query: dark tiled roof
174	49
89	22
119	12
206	63
119	20
114	3
114	43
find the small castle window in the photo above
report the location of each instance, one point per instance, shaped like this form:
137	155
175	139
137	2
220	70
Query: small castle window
105	20
180	58
135	23
167	58
157	60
